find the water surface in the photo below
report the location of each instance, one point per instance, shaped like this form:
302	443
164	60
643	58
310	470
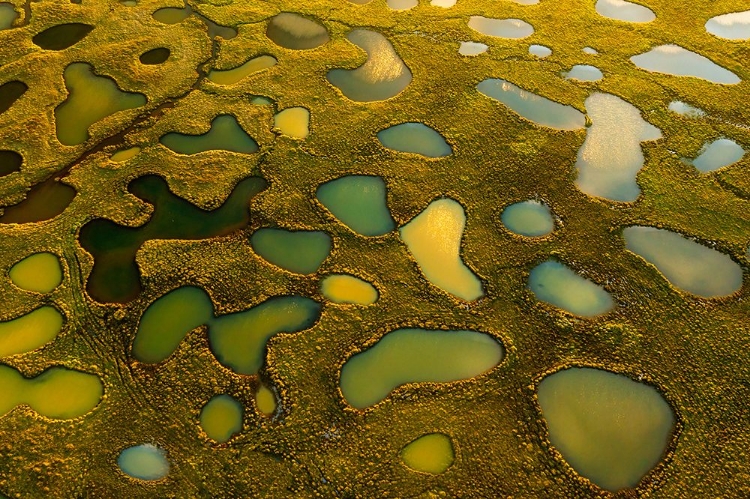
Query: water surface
611	155
232	76
144	462
402	4
293	31
30	331
434	240
265	400
382	76
115	276
225	134
125	154
685	109
43	202
621	10
415	356
10	92
299	251
609	428
732	26
556	284
343	288
718	154
472	48
154	56
688	265
502	28
10	162
678	61
535	108
8	15
432	453
416	138
540	51
530	218
90	98
293	122
56	393
167	320
40	272
62	36
359	202
239	340
221	418
584	72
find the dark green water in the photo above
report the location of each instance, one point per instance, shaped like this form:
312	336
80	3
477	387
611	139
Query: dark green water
115	276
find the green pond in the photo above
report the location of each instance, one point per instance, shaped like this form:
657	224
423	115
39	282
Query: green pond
225	134
360	202
299	251
221	418
432	453
90	98
416	356
609	428
238	340
555	283
30	331
56	393
115	276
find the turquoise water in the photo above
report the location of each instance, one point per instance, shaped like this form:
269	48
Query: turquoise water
145	462
528	218
225	134
415	138
359	202
298	251
554	283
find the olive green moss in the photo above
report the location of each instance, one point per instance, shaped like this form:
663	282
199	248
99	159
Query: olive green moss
695	351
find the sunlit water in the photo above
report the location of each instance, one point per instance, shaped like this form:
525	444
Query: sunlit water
434	240
686	264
